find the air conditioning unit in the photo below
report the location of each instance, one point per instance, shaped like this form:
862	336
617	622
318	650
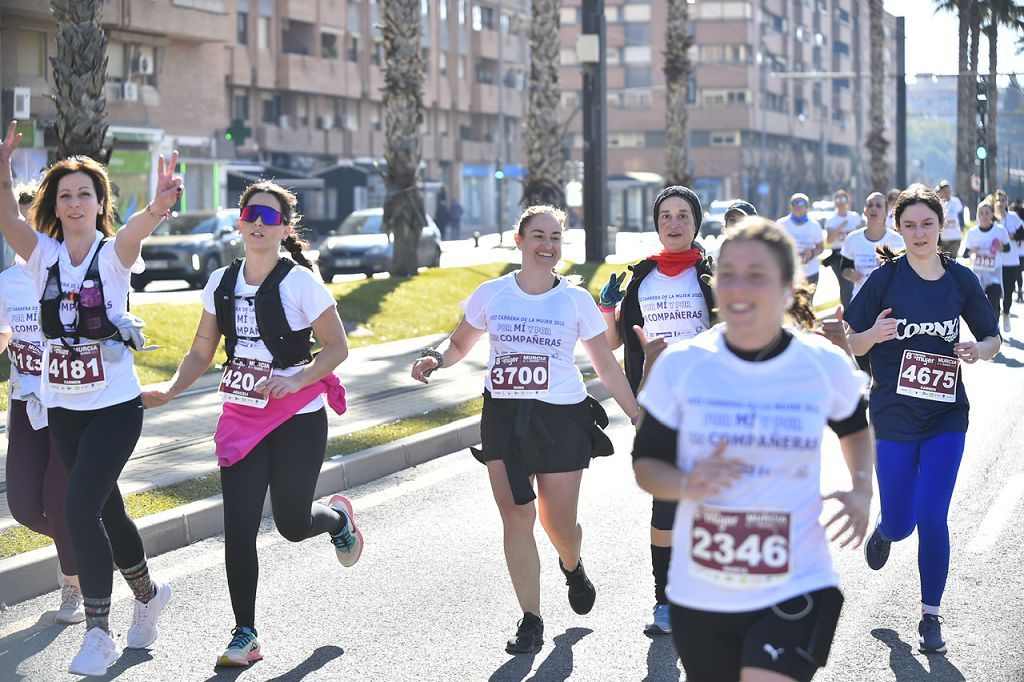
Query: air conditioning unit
349	122
325	122
130	92
21	102
145	66
283	121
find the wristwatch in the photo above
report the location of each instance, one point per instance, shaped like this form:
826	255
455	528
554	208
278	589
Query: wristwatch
431	353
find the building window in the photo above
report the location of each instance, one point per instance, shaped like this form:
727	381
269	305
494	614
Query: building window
716	97
328	45
636	13
567	56
841	48
725	139
263	33
722	10
31	53
637	34
611	15
636	99
242	32
377	54
442	10
638	76
425	59
568	16
461	69
352	17
442	63
483	18
353	48
240	104
637	55
115	62
626	140
723	54
271	105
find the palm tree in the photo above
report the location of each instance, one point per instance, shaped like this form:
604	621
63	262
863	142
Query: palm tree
79	76
677	78
997	14
543	184
876	143
965	89
403	114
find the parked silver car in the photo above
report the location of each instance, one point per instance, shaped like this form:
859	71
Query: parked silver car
190	246
360	245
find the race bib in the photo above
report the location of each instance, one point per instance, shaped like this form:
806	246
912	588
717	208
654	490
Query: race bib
985	262
740	548
26	357
928	376
241	381
520	375
78	369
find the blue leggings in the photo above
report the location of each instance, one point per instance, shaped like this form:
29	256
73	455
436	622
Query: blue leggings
915	484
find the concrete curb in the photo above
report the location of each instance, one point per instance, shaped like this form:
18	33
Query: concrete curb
34	573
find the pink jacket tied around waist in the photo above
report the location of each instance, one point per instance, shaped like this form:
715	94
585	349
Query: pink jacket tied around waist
241	427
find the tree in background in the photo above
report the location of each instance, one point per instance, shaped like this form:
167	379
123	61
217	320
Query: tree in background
403	114
677	70
79	76
543	183
996	15
876	142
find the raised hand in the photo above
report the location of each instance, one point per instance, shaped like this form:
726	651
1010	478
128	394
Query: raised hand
168	185
10	143
611	293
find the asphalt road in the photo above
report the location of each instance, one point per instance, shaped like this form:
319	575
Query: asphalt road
431	600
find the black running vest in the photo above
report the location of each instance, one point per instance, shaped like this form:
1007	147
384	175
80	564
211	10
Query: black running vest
288	348
53	294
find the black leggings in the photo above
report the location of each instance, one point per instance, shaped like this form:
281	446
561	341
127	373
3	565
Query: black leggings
1010	276
993	293
287	460
94	446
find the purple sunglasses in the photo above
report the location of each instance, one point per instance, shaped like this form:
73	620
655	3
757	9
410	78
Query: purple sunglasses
269	215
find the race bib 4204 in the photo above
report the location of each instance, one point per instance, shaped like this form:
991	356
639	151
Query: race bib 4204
928	376
520	375
77	369
740	548
242	380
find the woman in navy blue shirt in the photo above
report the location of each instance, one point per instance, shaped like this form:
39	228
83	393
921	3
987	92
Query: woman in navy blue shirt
907	318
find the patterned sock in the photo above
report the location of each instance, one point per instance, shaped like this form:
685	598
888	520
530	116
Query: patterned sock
97	613
137	578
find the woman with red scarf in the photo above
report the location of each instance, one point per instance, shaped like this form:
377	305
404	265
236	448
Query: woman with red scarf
668	299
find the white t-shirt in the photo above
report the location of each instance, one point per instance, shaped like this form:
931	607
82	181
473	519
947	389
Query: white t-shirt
986	248
304	298
547	325
19	316
673	308
1011	222
951	230
861	250
849	222
773	414
808	235
890	221
122	382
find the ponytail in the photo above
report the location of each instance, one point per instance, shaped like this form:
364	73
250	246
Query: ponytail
801	310
294	245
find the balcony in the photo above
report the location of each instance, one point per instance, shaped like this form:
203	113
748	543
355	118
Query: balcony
472	151
305	73
728	117
195	21
485	98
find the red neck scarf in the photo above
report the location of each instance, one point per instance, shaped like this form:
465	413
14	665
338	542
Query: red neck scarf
671	263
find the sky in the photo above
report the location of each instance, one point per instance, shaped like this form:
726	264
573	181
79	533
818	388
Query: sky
932	40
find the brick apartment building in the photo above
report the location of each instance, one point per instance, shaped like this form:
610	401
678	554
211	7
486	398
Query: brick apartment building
754	123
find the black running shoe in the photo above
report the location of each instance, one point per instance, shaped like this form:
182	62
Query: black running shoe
581	591
876	550
529	637
930	629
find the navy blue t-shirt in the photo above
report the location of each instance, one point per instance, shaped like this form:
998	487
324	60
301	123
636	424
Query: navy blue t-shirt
929	315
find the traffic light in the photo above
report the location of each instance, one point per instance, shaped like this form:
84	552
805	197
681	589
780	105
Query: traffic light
238	132
982	151
499	174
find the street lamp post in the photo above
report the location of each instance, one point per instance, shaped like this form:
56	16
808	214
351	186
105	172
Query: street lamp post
595	130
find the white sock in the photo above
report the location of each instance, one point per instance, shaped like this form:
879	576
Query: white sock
930	610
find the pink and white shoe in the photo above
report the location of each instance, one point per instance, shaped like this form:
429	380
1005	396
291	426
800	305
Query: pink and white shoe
348	542
243	649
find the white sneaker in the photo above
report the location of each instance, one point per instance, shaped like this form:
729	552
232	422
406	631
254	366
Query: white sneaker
143	631
71	610
348	543
1006	323
99	651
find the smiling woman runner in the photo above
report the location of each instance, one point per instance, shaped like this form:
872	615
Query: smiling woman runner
89	385
907	317
732	428
272	432
669	295
538	421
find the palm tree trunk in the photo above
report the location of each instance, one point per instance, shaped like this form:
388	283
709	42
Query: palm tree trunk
79	77
993	103
677	77
964	105
403	114
543	184
877	144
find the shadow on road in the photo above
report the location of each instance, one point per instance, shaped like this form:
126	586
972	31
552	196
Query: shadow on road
662	660
317	660
23	645
908	668
129	659
557	667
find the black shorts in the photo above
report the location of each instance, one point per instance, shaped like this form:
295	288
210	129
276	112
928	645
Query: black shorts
791	638
663	514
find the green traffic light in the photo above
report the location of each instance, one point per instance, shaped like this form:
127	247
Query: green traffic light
499	175
228	136
982	153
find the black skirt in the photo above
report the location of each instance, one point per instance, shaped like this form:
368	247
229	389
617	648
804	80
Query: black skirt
535	437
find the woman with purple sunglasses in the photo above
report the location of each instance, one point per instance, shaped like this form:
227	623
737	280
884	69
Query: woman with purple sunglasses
272	432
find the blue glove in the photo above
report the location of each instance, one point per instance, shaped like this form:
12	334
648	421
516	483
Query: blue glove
610	294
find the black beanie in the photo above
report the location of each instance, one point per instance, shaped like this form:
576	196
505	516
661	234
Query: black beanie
687	194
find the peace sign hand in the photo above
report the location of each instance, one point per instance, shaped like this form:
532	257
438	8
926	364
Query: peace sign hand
10	143
168	185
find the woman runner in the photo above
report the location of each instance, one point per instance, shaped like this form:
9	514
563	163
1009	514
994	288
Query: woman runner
36	480
670	297
538	421
89	386
732	428
1014	227
907	317
985	244
272	432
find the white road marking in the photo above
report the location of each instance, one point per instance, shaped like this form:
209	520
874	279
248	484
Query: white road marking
998	515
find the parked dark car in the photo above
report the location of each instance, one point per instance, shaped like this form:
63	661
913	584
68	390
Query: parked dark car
190	246
360	245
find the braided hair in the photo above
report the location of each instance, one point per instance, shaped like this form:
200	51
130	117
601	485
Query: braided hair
288	201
